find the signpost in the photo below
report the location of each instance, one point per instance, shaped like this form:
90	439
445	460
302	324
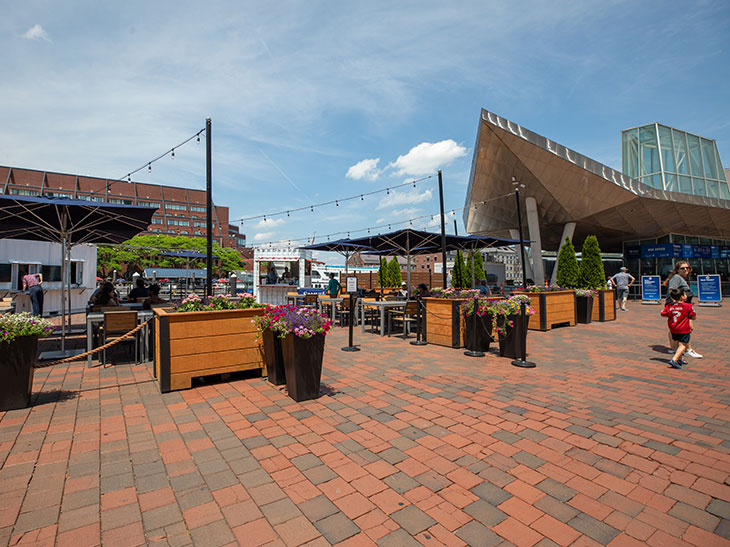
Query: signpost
351	285
651	289
708	290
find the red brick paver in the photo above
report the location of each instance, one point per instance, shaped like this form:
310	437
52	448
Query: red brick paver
601	444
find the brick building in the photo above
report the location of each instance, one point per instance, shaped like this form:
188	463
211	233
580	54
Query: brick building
180	211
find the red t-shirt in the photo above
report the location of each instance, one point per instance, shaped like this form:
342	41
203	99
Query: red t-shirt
678	315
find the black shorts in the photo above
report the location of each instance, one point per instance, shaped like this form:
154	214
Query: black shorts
681	337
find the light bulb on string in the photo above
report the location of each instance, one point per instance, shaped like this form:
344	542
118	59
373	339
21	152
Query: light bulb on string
149	167
198	137
387	191
361	198
337	203
287	213
129	178
311	208
173	153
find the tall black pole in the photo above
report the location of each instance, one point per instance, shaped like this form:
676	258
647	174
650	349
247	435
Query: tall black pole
443	228
209	208
456	231
522	242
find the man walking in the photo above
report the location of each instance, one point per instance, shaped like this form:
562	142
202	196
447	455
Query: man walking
623	281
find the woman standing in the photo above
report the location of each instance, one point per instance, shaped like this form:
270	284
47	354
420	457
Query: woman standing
678	279
32	283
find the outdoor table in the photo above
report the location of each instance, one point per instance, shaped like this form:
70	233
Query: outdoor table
96	318
383	305
293	298
329	300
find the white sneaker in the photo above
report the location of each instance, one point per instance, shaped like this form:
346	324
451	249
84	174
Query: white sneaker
692	353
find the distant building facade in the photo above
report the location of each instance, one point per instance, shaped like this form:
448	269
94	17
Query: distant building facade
180	211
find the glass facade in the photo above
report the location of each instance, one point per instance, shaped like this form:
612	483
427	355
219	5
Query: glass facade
669	159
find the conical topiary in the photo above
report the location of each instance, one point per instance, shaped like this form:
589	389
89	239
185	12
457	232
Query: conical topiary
383	273
591	274
568	271
458	274
394	275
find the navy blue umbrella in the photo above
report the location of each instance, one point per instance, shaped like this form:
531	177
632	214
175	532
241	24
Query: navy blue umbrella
69	222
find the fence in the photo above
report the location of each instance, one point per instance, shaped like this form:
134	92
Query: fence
369	280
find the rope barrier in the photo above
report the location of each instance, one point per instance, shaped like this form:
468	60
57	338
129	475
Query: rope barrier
96	350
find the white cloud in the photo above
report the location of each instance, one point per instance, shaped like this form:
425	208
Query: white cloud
36	32
365	169
427	158
265	223
408	212
263	236
404	198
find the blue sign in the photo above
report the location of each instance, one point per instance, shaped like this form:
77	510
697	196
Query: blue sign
687	250
651	288
660	250
708	288
702	251
633	252
724	252
715	250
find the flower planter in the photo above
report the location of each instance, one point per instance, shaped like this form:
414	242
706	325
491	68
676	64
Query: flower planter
584	309
478	338
17	360
274	357
444	322
552	308
510	344
194	344
303	365
604	307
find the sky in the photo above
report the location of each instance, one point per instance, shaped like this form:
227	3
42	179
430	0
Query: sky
312	101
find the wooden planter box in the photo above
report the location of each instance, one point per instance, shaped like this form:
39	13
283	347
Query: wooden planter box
552	308
604	306
444	324
194	344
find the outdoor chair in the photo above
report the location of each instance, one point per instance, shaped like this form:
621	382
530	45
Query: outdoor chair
343	310
310	300
117	324
406	316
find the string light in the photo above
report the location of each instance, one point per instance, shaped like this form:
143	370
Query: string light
149	167
173	153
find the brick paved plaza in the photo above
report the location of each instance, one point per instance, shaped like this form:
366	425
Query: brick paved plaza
602	443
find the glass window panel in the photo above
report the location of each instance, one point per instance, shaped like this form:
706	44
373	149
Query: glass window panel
708	157
724	191
631	152
677	238
663	239
713	189
680	152
685	185
672	183
656	181
649	155
692	239
698	187
695	156
665	144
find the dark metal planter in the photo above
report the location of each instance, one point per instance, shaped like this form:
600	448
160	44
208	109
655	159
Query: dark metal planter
17	361
274	357
583	309
510	344
303	365
479	337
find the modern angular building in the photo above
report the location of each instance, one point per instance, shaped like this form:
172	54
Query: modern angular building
672	201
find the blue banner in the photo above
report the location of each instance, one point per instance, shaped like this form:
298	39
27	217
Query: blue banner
660	250
715	251
687	250
708	288
702	251
651	287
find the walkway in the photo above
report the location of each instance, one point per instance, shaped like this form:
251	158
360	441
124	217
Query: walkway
601	444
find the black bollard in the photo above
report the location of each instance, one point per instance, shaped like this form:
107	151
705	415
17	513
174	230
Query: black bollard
351	346
418	341
522	362
474	352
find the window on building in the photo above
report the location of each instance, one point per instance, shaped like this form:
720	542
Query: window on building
5	273
184	232
120	201
176	206
24	192
58	195
51	273
198	224
148	204
241	241
156	220
198	209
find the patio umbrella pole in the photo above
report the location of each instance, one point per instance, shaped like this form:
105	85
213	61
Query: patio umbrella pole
351	346
63	290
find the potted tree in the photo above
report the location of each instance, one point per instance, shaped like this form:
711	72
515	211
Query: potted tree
510	325
592	276
19	335
302	331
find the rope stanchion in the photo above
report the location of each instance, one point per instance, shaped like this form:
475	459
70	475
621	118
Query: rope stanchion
96	350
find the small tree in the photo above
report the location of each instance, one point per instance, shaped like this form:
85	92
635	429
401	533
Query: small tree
458	274
395	278
383	273
591	274
478	267
568	273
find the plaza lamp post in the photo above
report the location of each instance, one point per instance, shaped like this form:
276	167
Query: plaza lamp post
522	362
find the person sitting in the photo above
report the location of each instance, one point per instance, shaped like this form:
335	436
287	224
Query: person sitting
107	296
403	289
153	298
272	278
483	287
423	291
140	291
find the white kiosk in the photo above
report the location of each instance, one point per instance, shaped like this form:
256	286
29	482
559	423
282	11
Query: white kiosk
278	271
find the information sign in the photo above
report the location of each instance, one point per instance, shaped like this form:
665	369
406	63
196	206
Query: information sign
651	289
351	284
708	290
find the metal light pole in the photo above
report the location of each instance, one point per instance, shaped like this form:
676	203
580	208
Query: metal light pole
209	208
443	228
522	361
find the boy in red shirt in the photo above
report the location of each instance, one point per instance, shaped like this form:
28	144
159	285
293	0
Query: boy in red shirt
679	316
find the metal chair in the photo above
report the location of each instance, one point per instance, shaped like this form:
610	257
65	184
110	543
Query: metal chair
406	316
117	324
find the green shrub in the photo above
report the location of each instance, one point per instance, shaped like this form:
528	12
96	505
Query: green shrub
459	278
591	274
568	271
394	276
